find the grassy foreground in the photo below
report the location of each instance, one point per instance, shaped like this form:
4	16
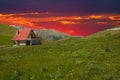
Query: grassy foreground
92	58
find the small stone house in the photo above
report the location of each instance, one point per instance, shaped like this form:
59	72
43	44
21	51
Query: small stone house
26	37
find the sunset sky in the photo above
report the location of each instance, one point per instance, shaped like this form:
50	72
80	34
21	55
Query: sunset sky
74	17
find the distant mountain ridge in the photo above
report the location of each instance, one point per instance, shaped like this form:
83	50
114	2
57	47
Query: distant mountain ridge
51	34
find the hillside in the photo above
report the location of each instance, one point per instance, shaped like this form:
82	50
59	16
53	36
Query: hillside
90	58
6	34
107	32
52	34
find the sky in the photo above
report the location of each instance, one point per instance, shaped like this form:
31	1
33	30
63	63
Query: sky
74	17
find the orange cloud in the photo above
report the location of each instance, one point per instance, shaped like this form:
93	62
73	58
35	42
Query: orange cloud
30	21
59	18
14	19
114	17
103	16
69	22
10	19
78	18
95	17
1	15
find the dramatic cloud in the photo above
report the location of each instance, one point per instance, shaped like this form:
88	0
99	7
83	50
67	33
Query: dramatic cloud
73	25
76	17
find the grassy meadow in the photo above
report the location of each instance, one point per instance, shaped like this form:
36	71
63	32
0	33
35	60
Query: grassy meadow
6	34
90	58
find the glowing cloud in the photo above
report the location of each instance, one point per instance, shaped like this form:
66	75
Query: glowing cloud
69	22
1	15
10	19
114	17
95	16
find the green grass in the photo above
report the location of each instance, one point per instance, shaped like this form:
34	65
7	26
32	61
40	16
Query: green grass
6	34
93	58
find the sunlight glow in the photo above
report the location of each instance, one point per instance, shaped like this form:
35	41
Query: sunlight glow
96	17
69	22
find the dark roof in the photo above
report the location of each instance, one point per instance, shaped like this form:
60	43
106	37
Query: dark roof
22	34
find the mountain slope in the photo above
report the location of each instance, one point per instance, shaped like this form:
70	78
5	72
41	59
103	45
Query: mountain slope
107	32
6	34
51	34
